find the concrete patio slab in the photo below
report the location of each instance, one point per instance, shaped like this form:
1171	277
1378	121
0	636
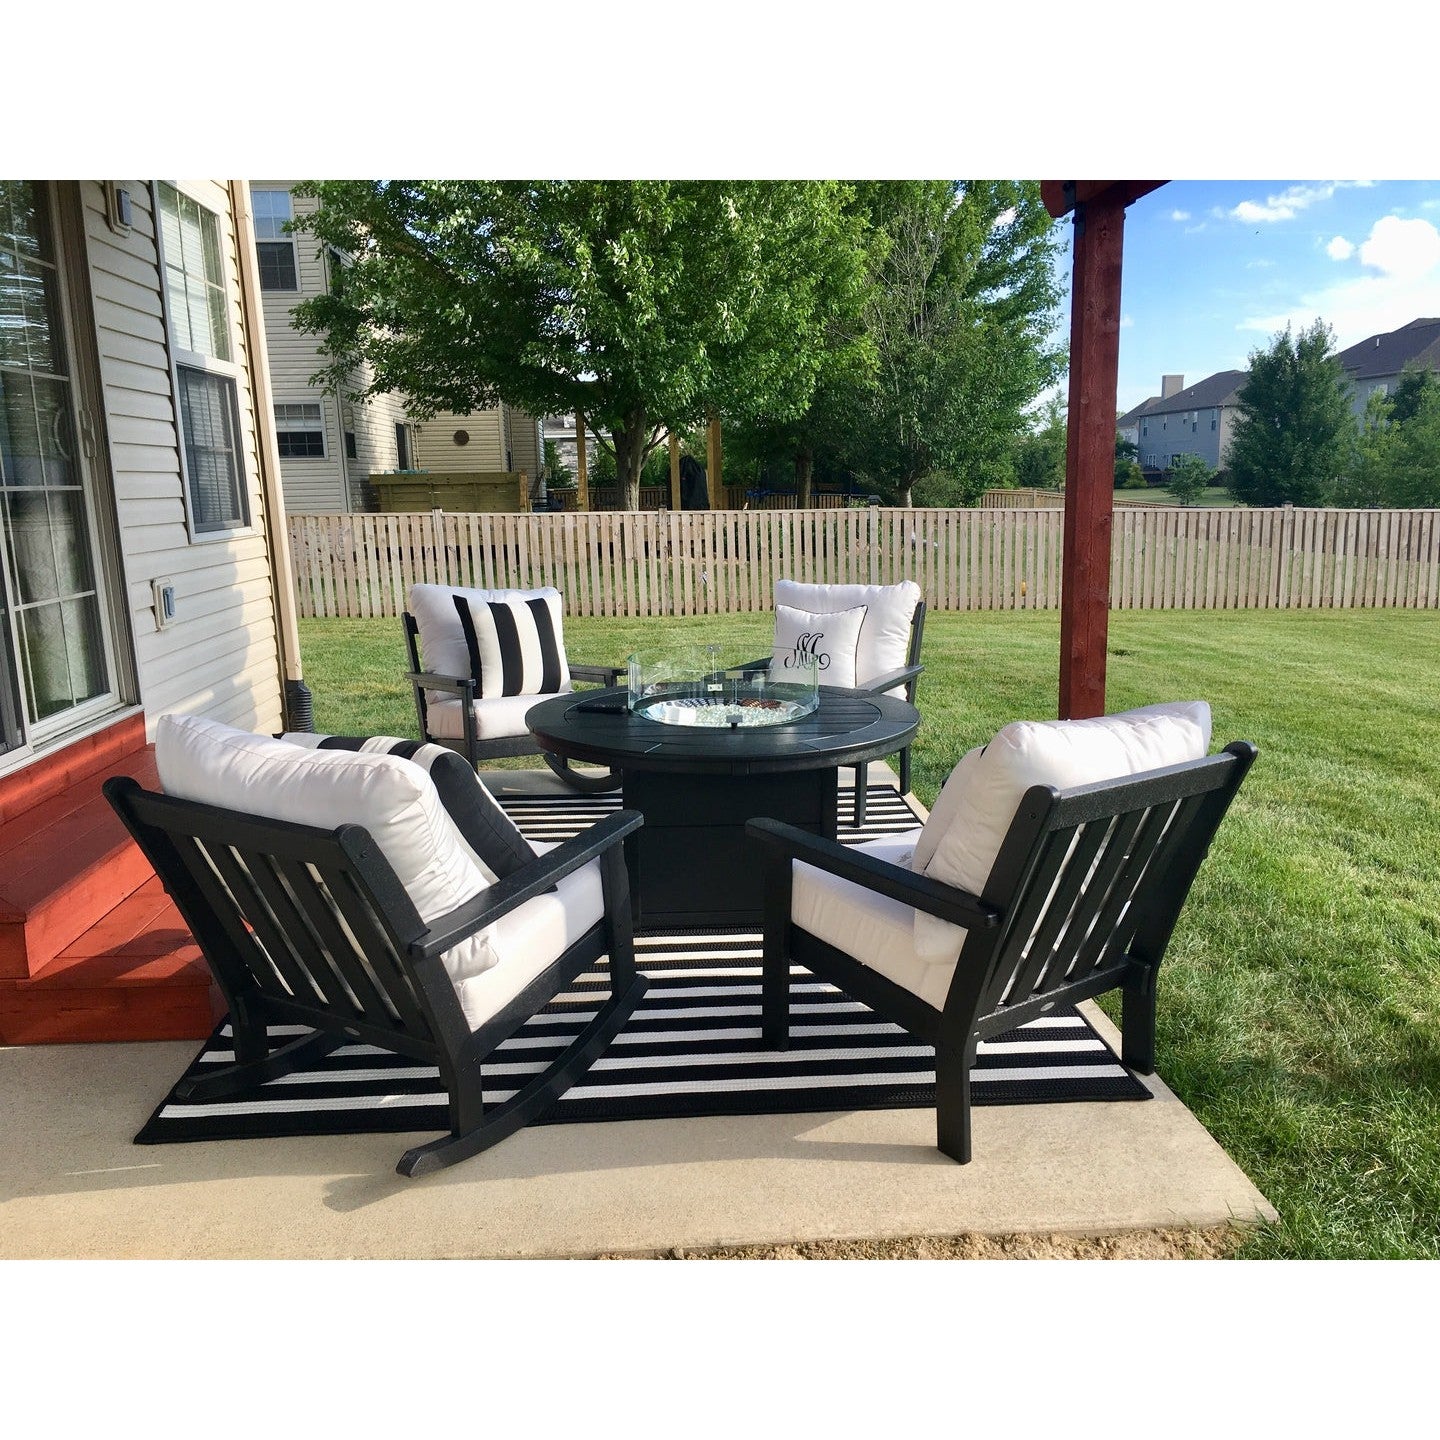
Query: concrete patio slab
72	1185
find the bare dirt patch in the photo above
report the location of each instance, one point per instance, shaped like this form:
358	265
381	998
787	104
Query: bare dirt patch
1214	1244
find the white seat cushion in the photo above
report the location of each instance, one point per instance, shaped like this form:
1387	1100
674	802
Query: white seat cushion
500	719
393	798
873	929
443	648
962	837
530	937
884	643
831	638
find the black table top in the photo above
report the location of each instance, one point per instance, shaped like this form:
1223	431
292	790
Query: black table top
848	728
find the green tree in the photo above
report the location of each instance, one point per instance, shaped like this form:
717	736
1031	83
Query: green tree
1294	435
1127	459
1040	454
1189	478
644	304
557	474
1416	381
962	314
1367	479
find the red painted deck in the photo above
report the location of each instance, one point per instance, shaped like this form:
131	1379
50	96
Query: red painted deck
91	948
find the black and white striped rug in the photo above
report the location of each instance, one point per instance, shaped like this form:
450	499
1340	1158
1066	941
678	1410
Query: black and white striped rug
691	1048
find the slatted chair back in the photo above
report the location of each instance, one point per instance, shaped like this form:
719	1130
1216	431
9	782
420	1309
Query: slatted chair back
1091	883
299	924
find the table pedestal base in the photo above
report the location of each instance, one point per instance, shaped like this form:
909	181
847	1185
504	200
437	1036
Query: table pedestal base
691	863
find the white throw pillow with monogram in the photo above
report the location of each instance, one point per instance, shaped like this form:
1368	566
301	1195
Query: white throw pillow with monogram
832	639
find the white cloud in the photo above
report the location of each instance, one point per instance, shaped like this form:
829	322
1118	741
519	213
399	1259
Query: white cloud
1179	215
1340	248
1259	264
1004	218
1403	249
1127	322
1290	202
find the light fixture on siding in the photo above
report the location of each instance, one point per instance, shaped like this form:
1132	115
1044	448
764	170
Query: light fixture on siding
164	591
118	213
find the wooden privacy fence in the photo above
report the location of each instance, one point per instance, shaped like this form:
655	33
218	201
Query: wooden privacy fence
724	562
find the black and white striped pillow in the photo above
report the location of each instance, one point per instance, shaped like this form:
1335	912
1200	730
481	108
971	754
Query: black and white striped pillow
485	827
515	646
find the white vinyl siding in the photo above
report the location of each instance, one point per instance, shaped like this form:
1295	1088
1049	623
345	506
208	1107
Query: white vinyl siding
316	486
219	657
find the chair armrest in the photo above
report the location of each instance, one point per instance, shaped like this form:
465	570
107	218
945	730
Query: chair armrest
514	890
461	685
881	683
934	897
607	675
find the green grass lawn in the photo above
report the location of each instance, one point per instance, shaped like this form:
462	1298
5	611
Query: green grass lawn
1300	1002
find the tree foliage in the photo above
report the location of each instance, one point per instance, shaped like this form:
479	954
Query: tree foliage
1396	458
1040	454
1294	435
960	318
1189	478
962	314
642	304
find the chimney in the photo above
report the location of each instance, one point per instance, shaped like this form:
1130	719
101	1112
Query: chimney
1171	385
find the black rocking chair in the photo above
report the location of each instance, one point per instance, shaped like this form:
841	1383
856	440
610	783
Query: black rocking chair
313	927
1082	898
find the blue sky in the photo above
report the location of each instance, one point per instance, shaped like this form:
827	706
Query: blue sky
1214	268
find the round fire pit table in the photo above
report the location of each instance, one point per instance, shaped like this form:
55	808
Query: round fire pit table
690	863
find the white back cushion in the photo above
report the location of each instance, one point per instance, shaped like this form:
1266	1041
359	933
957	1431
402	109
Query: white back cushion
442	638
962	837
393	798
884	643
831	637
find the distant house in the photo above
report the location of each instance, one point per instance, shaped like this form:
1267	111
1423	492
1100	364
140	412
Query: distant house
331	445
143	571
1375	364
1185	421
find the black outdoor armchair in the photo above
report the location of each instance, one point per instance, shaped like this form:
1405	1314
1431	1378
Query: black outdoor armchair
1082	899
313	927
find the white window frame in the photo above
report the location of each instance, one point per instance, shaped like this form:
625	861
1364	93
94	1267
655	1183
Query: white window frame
278	240
319	425
193	360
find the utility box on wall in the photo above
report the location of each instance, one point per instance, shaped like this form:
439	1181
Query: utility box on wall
494	491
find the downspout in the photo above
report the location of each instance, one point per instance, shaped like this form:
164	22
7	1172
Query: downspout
296	694
344	454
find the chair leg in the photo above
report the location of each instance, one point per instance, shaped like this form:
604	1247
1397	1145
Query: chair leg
775	956
861	771
473	1134
905	771
1137	1023
952	1101
246	1074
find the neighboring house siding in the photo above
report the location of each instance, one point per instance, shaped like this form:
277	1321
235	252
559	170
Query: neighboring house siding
524	443
435	447
336	481
219	657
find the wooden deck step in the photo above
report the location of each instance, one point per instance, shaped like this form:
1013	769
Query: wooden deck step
135	974
65	863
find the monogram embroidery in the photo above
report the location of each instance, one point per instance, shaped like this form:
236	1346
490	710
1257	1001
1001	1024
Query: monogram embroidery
809	645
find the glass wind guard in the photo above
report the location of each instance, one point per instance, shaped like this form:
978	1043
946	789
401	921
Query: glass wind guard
698	687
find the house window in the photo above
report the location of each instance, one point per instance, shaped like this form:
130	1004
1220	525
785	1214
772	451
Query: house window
300	431
212	455
199	320
1212	419
1144	428
351	453
402	448
273	247
193	277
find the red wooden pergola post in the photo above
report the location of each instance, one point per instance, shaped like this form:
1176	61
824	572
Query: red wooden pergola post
1099	211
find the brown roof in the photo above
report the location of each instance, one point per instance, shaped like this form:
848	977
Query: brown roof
1388	354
